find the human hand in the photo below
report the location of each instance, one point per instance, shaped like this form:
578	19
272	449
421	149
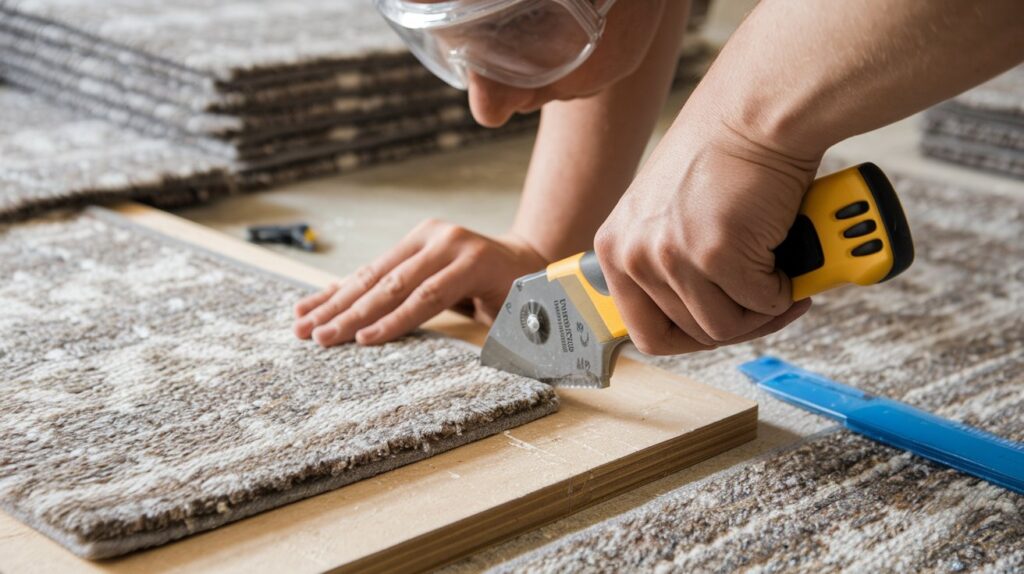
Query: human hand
435	267
687	252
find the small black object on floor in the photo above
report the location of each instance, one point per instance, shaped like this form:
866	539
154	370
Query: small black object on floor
299	235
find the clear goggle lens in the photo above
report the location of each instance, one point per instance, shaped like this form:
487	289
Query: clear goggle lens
523	43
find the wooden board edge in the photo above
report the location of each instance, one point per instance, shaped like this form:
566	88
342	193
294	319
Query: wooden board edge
558	501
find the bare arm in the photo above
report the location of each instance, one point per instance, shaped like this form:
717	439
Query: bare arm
587	150
802	76
586	154
688	250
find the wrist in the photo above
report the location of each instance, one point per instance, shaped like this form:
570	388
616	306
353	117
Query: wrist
705	131
768	122
524	250
553	236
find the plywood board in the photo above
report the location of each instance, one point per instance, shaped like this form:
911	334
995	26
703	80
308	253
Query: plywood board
648	424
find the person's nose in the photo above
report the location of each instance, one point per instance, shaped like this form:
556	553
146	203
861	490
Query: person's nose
493	103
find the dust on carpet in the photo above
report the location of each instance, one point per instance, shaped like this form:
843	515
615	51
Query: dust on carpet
151	390
948	337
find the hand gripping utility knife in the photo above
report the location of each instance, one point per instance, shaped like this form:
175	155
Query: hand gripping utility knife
561	326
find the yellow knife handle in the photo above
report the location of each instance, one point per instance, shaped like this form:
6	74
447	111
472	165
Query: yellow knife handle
850	229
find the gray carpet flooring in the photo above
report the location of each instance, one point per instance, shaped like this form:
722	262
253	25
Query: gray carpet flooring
150	390
981	128
56	157
53	157
947	336
283	89
269	91
273	87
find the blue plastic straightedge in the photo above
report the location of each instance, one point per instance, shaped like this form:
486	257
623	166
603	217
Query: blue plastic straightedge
897	424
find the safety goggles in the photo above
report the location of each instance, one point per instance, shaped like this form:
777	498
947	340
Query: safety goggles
521	43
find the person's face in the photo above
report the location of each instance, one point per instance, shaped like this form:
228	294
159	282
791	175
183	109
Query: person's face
629	30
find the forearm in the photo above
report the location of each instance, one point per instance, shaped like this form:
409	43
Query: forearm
798	77
587	150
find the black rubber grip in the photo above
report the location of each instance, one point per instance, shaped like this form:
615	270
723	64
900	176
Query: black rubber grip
893	218
801	251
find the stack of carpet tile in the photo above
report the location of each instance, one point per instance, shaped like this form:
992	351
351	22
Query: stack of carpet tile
280	88
981	128
277	89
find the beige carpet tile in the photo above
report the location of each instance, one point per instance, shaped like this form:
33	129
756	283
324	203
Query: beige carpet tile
965	124
998	159
155	115
22	40
53	157
981	128
217	40
150	390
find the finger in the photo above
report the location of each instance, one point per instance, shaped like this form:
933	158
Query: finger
756	286
437	293
777	323
384	297
310	302
675	306
748	277
675	302
652	330
716	314
354	286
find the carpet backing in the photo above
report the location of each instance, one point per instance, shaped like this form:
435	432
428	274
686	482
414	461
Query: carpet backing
948	337
151	390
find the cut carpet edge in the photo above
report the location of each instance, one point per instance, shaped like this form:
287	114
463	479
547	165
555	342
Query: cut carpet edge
94	550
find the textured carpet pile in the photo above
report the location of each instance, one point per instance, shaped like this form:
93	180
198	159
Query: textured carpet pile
982	128
948	337
281	88
149	390
52	156
278	90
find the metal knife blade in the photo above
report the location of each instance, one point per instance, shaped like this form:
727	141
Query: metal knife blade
540	333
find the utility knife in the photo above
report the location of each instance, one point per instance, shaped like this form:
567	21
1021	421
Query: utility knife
561	325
